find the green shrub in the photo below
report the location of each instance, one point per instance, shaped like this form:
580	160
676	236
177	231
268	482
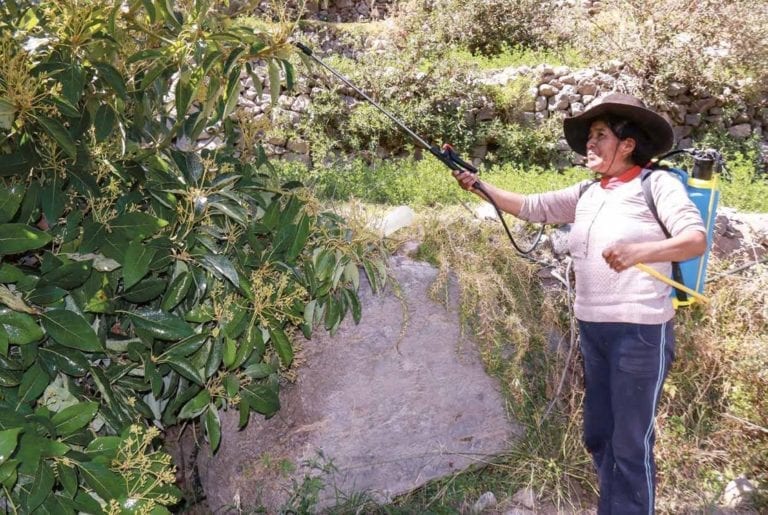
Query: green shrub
707	45
484	27
143	283
432	98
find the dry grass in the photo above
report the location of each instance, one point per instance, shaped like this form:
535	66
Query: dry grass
713	416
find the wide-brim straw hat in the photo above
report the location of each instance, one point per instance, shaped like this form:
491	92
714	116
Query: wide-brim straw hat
655	126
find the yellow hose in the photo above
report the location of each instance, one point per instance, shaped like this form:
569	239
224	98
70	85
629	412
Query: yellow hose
651	271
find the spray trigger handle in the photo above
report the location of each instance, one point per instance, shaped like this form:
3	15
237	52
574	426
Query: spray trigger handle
454	161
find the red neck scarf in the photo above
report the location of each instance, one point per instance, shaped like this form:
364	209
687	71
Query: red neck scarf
609	183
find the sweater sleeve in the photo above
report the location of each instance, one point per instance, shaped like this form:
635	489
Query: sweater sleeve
678	213
553	207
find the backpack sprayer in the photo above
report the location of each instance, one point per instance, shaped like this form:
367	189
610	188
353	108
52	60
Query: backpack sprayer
702	188
701	185
447	155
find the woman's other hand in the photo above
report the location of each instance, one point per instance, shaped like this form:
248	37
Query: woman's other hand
465	179
621	256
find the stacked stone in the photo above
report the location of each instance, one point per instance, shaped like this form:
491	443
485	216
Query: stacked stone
555	92
561	92
338	10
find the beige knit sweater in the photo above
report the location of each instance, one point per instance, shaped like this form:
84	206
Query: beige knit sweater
601	217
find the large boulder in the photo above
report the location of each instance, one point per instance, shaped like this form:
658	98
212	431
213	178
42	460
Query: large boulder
381	408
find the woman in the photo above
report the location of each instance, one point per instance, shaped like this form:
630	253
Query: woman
624	315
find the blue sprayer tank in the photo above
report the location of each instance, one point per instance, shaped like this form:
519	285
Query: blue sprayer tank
702	187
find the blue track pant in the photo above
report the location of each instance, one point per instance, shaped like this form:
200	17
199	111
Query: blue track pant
624	370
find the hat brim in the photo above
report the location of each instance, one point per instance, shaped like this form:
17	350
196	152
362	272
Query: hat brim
656	127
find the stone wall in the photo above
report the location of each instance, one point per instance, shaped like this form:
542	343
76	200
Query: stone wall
339	10
554	92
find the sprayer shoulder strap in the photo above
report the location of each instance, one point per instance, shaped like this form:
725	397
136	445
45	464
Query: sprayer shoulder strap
677	273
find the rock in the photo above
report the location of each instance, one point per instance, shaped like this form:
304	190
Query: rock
676	88
398	400
301	104
577	108
487	500
738	492
276	139
694	120
741	131
559	240
703	105
486	211
547	90
540	103
298	145
587	88
294	157
485	114
558	102
682	131
525	497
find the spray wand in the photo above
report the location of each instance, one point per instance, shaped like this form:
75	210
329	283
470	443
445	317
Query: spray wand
447	154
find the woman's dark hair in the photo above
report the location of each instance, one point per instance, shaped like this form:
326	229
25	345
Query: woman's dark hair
623	128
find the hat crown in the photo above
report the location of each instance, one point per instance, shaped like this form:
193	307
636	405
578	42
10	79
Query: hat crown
621	99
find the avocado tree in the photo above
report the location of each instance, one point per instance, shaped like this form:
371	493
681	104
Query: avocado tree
143	282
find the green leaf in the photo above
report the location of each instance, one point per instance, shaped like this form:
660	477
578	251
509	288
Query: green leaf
137	225
8	473
300	239
282	345
183	95
10	274
10	200
106	118
177	291
33	384
106	446
259	370
289	74
53	199
146	290
73	81
74	417
221	266
69	361
68	479
68	276
113	78
185	368
189	345
10	378
7	114
138	259
8	441
274	80
261	398
103	481
213	427
21	328
71	330
215	356
18	238
41	487
230	351
244	350
59	133
161	324
195	406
